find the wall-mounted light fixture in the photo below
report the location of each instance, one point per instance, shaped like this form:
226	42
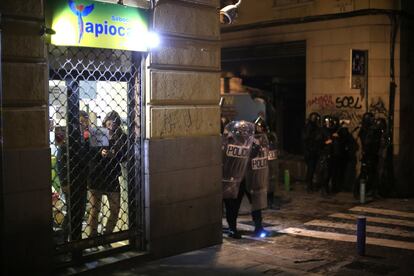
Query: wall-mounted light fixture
228	13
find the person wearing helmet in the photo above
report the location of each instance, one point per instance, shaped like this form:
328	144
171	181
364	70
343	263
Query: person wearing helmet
236	145
253	184
256	180
384	188
312	146
338	154
370	138
325	159
344	157
273	168
257	177
260	125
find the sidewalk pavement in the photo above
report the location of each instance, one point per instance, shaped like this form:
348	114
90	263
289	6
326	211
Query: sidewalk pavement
311	235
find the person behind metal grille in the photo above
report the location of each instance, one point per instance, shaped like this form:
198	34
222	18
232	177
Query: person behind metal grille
82	176
105	172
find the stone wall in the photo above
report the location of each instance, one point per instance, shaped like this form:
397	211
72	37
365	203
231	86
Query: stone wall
183	148
183	168
25	192
253	11
328	67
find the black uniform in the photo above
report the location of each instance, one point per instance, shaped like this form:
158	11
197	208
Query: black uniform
370	136
273	167
344	152
325	166
237	143
312	146
384	187
254	186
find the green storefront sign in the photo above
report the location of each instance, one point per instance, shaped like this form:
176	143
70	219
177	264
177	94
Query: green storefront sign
95	24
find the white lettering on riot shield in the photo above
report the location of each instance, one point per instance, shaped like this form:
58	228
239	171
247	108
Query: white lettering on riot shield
259	163
237	151
272	155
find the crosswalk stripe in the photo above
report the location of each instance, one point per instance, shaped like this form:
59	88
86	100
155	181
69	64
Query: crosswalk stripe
369	228
382	211
375	219
347	238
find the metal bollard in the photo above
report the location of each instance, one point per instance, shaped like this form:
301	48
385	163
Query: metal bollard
361	235
287	180
362	186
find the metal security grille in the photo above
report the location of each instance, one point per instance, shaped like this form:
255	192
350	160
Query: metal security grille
94	109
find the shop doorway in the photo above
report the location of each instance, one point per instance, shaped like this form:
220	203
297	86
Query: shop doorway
95	139
277	74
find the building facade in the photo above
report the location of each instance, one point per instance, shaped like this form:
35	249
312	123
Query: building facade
319	45
180	179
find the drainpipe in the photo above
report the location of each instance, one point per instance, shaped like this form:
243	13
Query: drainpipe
394	19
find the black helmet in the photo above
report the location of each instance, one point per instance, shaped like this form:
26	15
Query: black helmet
335	121
240	128
367	119
260	125
327	121
381	124
315	118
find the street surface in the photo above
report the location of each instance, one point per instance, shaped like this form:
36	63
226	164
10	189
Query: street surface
311	235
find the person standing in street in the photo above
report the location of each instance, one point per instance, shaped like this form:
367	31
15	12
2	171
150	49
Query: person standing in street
312	146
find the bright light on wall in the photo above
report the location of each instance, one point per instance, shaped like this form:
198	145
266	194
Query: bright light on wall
152	40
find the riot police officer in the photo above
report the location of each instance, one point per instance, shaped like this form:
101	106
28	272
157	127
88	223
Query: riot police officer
338	154
256	181
325	168
344	152
237	142
273	168
312	146
273	155
383	184
370	137
254	186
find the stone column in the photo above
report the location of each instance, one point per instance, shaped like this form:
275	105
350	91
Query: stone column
183	146
25	191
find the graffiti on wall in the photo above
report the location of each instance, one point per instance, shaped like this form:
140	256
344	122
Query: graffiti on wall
347	108
377	106
321	102
348	102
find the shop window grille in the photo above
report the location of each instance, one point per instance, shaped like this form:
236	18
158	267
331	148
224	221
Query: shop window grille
95	141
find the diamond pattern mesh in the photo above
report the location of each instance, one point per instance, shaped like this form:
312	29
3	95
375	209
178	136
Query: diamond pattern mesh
94	114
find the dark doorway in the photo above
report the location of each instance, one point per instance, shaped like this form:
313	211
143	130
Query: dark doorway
279	70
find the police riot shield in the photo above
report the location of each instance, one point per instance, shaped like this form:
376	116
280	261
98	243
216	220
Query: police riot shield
257	172
237	142
272	158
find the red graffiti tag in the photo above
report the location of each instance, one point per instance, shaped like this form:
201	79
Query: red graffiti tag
324	101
